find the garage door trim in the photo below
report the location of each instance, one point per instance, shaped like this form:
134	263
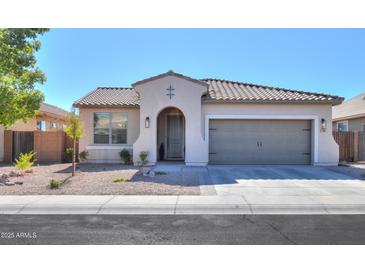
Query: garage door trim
314	118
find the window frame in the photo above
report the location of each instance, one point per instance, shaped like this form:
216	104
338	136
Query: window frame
43	125
53	123
110	137
346	123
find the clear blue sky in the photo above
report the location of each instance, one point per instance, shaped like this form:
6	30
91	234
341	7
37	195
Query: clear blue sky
325	60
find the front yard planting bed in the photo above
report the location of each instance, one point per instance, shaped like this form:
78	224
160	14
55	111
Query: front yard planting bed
97	179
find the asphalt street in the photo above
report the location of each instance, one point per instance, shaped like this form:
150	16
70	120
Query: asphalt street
182	229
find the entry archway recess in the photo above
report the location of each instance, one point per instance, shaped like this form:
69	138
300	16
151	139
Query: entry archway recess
171	135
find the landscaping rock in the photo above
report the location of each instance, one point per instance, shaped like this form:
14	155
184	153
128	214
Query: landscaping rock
18	183
5	176
3	180
15	173
145	170
9	183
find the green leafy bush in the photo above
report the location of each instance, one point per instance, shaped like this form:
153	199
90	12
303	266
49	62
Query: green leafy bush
55	183
125	155
68	155
83	155
25	161
158	173
117	180
143	156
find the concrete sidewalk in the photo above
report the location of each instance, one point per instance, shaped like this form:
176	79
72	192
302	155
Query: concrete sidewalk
228	204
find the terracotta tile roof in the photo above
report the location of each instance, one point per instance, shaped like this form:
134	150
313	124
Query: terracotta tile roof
108	96
353	108
169	73
217	91
47	108
223	90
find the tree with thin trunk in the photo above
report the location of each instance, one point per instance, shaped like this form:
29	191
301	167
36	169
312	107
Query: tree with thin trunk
74	130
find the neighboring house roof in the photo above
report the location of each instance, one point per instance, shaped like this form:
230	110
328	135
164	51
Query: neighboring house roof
47	108
217	91
353	108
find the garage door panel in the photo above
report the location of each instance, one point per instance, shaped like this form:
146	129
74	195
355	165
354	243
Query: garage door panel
259	142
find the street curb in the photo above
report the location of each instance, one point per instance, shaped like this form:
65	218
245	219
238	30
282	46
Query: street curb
183	209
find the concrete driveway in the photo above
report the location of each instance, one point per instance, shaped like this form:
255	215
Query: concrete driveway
287	184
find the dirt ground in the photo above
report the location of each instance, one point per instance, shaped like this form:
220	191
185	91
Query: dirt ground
97	179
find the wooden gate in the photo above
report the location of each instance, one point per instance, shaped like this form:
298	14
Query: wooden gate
362	146
345	141
49	146
23	142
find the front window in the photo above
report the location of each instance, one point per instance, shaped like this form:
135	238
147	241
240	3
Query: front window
343	126
53	125
110	128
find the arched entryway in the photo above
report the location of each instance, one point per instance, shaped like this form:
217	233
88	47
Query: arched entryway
171	135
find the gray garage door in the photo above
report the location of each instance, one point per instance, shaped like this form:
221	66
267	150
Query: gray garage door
259	142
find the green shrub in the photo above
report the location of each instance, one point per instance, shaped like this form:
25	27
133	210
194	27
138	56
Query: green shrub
117	180
68	155
83	155
143	156
25	161
157	173
55	183
125	155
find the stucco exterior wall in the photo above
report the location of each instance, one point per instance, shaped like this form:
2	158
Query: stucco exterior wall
31	124
327	147
1	143
187	99
107	153
357	124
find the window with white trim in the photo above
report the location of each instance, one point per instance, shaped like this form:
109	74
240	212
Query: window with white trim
41	125
343	126
110	127
53	125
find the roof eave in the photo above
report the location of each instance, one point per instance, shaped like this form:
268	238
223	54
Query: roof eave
170	73
234	101
348	117
104	106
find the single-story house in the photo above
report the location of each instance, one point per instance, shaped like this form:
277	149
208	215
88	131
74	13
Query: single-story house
350	115
48	118
178	118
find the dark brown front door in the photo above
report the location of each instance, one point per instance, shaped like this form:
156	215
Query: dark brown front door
175	137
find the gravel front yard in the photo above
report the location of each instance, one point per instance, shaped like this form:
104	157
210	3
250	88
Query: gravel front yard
97	179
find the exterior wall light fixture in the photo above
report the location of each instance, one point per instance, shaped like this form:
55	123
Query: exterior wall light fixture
323	124
147	122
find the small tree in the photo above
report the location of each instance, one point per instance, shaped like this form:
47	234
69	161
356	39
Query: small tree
74	130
